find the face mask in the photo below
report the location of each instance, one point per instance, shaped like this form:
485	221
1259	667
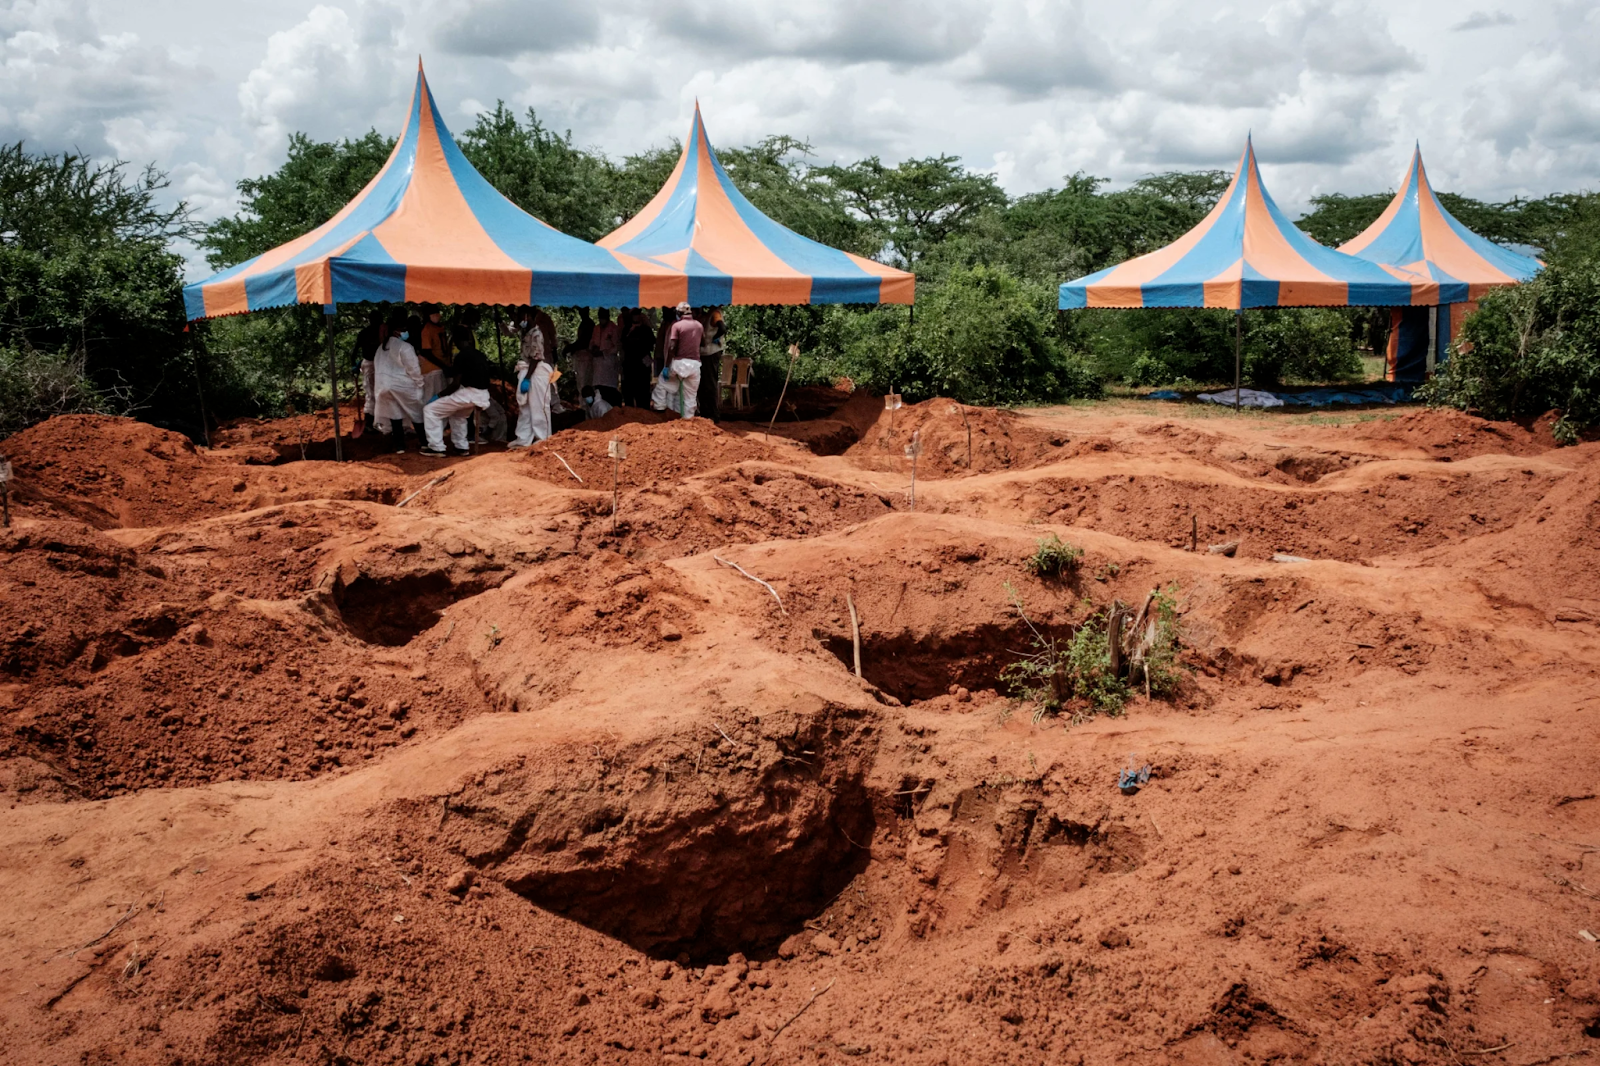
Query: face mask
405	336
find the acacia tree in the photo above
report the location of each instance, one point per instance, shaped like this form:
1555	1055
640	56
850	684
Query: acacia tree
91	308
543	172
917	204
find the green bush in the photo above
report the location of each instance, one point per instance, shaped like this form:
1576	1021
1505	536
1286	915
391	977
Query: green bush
1053	672
90	288
1053	557
1304	345
1529	349
39	385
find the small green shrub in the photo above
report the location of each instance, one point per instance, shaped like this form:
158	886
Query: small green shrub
1089	664
1053	557
1528	349
1160	666
1054	672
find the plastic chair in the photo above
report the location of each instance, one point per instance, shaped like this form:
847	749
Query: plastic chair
736	381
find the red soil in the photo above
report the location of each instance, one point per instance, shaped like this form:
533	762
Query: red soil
291	774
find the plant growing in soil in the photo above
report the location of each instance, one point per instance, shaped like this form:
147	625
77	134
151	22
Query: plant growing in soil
1053	557
1161	668
1089	669
1055	672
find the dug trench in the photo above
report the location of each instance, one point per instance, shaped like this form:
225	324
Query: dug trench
679	846
609	800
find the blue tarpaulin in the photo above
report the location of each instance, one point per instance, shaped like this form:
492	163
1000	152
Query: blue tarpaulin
1327	396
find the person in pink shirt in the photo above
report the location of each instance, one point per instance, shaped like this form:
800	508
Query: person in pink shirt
680	375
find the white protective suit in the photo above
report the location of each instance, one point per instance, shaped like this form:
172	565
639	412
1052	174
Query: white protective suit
677	387
397	384
533	406
454	409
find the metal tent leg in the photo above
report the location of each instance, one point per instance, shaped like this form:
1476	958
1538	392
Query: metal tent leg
1238	364
1433	339
330	318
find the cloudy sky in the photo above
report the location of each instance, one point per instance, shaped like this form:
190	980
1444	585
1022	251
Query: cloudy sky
1504	97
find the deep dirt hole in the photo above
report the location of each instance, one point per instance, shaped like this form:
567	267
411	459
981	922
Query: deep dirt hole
911	669
727	884
390	611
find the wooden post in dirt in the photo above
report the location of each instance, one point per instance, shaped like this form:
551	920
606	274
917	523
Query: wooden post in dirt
1194	532
1238	350
330	318
1432	360
914	449
961	410
855	630
794	357
1114	625
618	450
5	496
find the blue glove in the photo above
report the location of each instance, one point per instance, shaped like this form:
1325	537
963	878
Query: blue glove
526	385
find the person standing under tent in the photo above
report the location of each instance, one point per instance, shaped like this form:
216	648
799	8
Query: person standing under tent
605	367
433	353
668	317
547	329
680	377
638	353
470	395
533	380
368	341
711	348
580	351
397	383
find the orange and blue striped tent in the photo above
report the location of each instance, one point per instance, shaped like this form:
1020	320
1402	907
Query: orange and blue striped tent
1416	233
430	228
1245	254
701	224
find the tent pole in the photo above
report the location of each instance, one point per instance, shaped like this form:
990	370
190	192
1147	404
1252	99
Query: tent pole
330	317
1238	319
1433	339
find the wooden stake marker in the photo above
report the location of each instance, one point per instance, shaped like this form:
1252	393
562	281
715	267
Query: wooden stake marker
618	450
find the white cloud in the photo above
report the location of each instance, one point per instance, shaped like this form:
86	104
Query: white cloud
331	75
1336	91
878	31
64	82
1483	20
1033	47
506	28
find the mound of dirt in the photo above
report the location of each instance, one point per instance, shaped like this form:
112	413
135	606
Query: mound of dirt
1445	432
658	451
289	777
118	472
956	439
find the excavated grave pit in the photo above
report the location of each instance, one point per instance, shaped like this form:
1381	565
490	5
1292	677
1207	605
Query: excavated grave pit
391	610
676	847
914	668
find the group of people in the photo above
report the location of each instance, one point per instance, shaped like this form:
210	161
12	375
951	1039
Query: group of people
421	375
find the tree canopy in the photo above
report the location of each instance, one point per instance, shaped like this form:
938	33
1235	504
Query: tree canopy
90	282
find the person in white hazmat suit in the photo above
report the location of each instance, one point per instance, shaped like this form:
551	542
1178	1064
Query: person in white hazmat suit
397	383
533	381
679	383
470	395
